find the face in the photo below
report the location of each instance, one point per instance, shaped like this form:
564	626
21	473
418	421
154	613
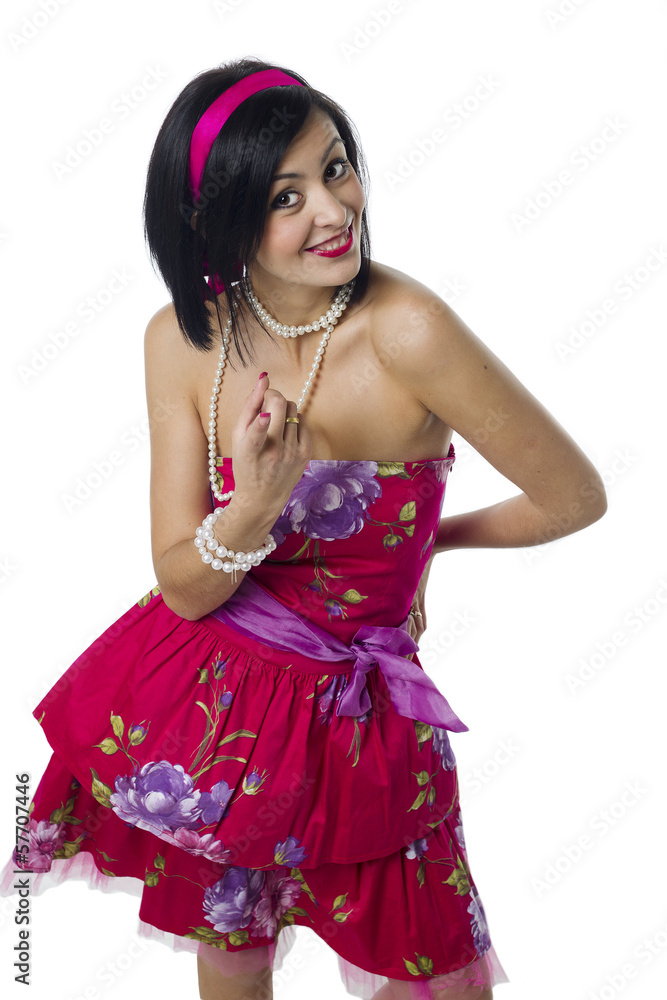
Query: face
311	208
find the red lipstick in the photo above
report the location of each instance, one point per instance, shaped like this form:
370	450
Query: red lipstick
340	250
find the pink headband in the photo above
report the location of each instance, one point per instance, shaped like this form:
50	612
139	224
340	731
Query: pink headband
215	116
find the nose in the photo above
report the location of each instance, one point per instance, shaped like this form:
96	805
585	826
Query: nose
329	212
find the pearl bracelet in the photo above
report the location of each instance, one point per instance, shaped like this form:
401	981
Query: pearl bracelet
219	556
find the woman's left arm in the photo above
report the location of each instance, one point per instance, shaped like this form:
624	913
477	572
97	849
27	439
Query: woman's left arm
461	382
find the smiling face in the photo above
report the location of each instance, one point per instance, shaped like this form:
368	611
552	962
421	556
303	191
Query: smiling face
321	200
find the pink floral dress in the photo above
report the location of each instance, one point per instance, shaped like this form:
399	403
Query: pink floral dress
212	775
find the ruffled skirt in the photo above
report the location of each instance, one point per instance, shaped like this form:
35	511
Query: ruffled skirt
210	775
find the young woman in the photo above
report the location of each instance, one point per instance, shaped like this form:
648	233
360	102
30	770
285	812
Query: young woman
254	745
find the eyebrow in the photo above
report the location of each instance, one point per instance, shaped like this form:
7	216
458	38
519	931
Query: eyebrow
334	141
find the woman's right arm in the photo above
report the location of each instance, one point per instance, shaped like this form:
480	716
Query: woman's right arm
266	468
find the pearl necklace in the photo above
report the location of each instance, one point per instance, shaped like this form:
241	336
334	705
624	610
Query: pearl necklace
328	321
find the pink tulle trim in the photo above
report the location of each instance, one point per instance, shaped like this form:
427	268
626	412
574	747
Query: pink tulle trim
483	973
80	867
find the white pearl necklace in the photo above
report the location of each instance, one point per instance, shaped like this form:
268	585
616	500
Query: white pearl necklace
330	317
328	321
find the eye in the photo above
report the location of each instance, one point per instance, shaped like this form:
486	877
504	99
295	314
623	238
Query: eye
341	162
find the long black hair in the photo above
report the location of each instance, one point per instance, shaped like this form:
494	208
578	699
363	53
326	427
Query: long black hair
231	209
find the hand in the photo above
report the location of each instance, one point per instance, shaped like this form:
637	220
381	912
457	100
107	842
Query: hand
269	456
417	621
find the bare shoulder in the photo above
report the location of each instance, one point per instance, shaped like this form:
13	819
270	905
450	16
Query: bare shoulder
429	351
172	362
410	320
164	336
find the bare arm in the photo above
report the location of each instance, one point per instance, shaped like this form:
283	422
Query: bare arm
459	380
267	462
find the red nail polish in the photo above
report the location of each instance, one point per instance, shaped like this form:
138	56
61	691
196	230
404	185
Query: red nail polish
265	415
262	375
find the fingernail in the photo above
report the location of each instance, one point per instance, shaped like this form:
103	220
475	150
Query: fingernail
262	375
266	415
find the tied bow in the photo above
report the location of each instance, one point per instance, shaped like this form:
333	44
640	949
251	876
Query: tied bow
412	692
253	612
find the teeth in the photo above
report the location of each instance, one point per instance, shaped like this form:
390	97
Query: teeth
334	244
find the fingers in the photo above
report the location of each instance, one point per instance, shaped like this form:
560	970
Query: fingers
275	405
263	420
254	403
291	429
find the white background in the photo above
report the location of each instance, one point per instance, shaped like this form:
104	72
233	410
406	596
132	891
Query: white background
538	613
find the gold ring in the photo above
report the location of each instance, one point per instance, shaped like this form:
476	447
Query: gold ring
415	613
291	420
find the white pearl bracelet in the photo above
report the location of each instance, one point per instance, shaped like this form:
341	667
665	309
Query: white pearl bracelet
219	556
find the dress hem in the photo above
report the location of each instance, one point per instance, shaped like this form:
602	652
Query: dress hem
486	970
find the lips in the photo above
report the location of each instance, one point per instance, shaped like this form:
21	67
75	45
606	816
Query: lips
331	239
347	236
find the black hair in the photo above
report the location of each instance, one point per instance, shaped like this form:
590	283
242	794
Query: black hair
235	185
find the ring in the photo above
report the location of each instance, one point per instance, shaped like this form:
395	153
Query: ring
415	613
291	420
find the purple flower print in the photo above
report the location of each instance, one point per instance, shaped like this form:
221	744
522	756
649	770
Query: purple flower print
252	782
226	699
287	853
441	745
44	839
391	541
278	894
161	796
137	734
281	528
219	669
200	845
229	903
458	830
478	925
327	698
417	848
214	805
330	500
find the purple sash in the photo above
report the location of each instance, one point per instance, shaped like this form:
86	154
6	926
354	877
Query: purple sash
253	612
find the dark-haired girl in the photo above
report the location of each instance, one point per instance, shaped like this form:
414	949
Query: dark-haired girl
254	745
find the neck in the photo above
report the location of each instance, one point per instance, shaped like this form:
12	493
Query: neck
294	305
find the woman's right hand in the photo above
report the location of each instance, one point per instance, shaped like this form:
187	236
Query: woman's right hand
269	456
